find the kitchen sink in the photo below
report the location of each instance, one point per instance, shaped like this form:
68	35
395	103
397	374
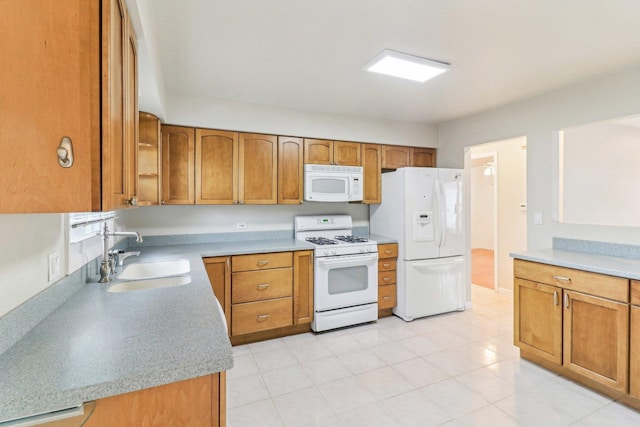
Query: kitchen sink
152	270
162	282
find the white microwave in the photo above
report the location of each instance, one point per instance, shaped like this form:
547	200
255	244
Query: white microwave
328	183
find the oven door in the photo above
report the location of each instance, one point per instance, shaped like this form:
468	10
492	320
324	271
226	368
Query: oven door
326	187
345	281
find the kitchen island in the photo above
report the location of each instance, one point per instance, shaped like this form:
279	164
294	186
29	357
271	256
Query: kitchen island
577	313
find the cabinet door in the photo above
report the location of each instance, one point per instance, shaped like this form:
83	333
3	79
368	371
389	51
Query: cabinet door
131	118
538	319
258	169
318	151
302	287
423	157
394	156
50	88
193	402
372	169
290	170
216	167
177	165
634	352
346	153
219	272
596	339
114	106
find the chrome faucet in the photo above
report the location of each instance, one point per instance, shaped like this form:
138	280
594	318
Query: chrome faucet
107	266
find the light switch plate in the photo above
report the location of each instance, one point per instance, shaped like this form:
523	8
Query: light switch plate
537	218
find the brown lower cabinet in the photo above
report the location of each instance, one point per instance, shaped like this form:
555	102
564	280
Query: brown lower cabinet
264	295
387	260
198	401
575	323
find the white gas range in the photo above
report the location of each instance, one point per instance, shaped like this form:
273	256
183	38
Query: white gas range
345	272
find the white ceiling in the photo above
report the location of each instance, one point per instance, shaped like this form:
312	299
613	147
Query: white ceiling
308	54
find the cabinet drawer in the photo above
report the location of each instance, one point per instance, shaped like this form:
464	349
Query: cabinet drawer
260	316
635	292
386	264
261	261
389	250
386	277
386	296
615	288
247	286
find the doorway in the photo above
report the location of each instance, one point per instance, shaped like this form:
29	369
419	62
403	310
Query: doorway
484	219
496	177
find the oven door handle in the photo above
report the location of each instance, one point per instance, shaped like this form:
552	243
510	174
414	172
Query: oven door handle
341	260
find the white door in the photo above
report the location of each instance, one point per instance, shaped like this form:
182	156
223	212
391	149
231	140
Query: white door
434	286
420	213
451	212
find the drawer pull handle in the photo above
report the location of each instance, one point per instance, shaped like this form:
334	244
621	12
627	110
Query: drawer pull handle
386	279
262	317
263	286
555	297
262	263
386	265
566	300
386	298
388	251
562	278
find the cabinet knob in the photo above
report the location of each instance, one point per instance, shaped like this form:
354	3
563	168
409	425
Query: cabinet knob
386	298
388	251
263	286
65	152
386	279
262	317
133	201
262	263
162	202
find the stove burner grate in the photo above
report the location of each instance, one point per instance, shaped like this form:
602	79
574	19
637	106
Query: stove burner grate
321	241
351	239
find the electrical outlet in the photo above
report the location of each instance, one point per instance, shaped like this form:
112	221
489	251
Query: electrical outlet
55	268
242	225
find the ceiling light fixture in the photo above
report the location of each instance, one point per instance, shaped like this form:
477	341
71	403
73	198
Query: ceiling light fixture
406	66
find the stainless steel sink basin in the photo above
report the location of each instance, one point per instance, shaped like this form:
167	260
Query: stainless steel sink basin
162	282
152	270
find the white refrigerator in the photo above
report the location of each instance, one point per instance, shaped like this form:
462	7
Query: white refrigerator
423	209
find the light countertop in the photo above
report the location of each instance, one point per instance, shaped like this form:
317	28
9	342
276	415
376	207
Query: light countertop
100	344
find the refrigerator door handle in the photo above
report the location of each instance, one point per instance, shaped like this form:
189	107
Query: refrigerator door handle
441	206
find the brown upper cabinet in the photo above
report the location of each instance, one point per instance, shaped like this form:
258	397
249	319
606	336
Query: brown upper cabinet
72	79
324	152
177	165
290	170
149	160
258	169
395	156
398	156
216	167
423	157
372	165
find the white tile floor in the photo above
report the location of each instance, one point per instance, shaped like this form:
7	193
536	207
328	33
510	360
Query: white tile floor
456	369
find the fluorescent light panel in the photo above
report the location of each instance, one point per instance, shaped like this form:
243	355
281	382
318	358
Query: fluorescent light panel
406	66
